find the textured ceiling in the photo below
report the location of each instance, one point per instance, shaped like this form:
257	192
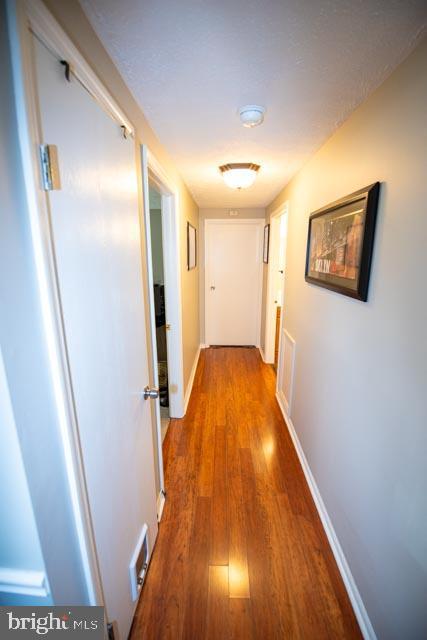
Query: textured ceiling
192	63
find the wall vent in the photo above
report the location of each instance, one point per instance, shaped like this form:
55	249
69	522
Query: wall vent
139	563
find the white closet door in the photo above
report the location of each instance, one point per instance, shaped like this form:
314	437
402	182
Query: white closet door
233	281
96	238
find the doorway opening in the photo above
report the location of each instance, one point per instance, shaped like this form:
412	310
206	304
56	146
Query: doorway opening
159	293
161	208
275	284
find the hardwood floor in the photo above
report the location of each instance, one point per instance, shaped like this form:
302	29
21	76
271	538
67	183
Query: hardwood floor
241	552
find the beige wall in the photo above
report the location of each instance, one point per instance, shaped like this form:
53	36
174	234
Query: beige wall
361	375
219	214
73	20
190	286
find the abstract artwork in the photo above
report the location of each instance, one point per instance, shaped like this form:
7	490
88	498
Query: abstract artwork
340	243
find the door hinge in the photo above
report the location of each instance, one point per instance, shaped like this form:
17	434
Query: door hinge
49	167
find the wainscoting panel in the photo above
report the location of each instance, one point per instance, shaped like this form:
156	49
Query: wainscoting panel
285	379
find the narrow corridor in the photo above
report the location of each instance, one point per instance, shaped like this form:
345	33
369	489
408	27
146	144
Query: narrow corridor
241	552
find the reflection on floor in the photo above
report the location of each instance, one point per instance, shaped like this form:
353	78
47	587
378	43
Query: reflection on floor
165	420
241	552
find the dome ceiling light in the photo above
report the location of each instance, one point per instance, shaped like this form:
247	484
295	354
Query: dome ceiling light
251	115
239	175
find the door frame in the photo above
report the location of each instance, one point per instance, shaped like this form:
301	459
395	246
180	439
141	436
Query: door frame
23	15
153	172
270	316
252	221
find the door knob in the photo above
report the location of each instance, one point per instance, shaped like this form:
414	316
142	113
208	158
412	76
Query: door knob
150	393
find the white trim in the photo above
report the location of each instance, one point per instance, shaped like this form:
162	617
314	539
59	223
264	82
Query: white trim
47	29
161	499
21	15
152	171
349	583
269	304
283	208
252	221
171	215
191	379
150	282
23	582
261	350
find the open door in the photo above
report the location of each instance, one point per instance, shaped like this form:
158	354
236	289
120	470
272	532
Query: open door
94	232
275	285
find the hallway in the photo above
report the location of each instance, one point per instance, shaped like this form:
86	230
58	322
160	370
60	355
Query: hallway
241	552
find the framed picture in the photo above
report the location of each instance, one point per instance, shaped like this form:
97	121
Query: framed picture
340	243
191	247
266	243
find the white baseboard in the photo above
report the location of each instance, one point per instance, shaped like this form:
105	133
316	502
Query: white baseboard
349	583
23	582
263	356
161	499
284	406
191	380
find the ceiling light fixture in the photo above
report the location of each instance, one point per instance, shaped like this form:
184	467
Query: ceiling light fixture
251	115
239	175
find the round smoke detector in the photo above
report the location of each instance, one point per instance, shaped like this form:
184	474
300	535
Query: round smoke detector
251	115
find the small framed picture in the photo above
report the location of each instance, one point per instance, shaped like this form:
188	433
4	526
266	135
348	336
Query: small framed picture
266	243
340	243
191	247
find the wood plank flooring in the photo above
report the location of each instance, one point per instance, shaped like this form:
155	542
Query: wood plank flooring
241	553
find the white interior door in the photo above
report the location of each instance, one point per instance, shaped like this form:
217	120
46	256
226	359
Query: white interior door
96	240
280	260
275	281
233	281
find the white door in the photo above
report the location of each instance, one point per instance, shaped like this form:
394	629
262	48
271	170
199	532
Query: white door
279	257
275	282
96	240
233	281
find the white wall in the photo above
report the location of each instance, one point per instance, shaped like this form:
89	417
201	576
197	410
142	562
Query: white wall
223	214
359	406
20	552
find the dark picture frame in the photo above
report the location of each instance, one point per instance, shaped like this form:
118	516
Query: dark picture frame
191	247
340	243
266	244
